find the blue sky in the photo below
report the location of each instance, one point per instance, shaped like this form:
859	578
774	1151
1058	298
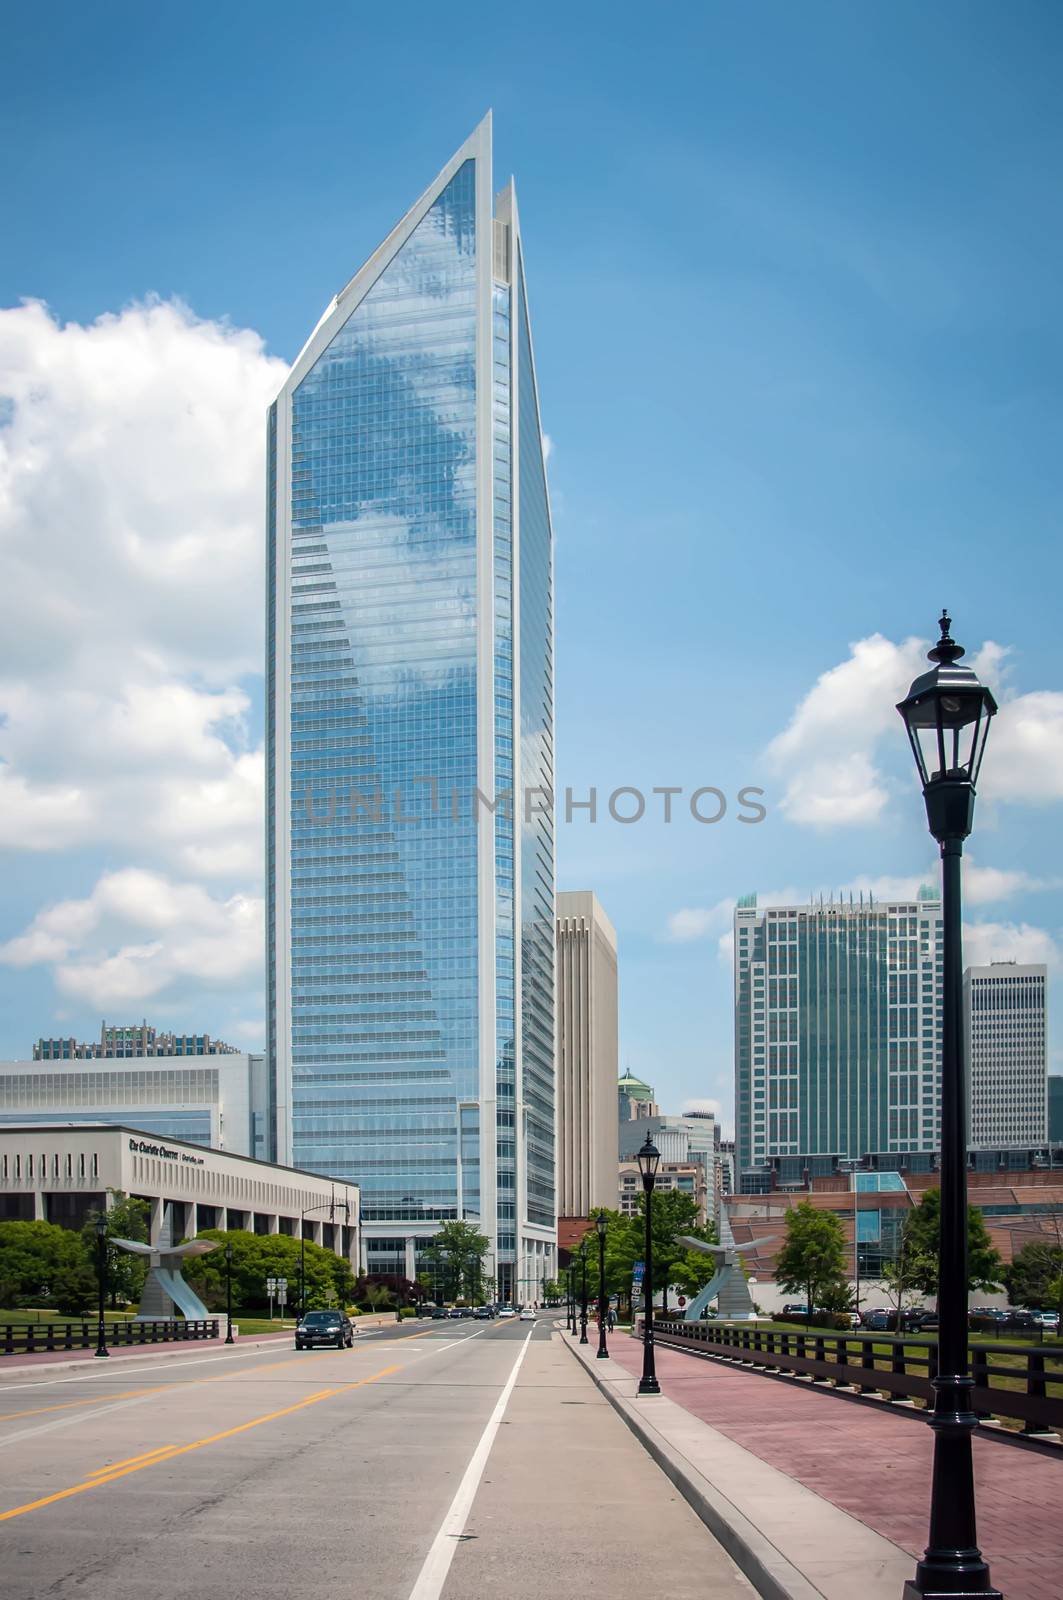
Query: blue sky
795	287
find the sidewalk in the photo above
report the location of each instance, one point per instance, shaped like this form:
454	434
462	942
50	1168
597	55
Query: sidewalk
870	1466
570	1501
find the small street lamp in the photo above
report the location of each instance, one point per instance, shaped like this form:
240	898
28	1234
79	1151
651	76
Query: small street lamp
947	714
603	1353
649	1159
229	1294
570	1302
583	1292
101	1279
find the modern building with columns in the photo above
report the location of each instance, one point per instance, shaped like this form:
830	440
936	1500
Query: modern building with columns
52	1172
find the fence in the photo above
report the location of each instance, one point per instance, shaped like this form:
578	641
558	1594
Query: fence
1010	1381
26	1338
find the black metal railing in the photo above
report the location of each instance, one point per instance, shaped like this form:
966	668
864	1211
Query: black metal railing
1012	1382
27	1338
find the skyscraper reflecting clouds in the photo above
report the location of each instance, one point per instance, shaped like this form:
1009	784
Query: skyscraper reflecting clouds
410	741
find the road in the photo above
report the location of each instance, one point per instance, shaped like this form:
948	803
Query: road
436	1462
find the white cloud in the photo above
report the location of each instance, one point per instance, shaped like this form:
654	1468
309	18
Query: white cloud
1024	753
826	753
984	942
139	934
131	506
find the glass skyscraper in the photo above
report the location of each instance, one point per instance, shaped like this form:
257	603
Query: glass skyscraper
837	1036
410	742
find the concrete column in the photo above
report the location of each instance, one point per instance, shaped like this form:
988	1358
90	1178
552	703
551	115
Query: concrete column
155	1220
275	1223
192	1213
38	1206
317	1231
411	1258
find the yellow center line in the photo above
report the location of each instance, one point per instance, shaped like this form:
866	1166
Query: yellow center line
112	1474
130	1460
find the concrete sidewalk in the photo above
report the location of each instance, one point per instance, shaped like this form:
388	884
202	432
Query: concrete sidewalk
835	1459
569	1499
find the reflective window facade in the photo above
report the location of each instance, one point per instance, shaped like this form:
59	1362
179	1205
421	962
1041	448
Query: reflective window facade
397	1010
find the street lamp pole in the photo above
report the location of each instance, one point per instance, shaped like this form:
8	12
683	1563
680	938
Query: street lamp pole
229	1295
570	1303
101	1278
649	1159
583	1292
603	1351
947	714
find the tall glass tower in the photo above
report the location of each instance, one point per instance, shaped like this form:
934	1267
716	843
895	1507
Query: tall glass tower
410	742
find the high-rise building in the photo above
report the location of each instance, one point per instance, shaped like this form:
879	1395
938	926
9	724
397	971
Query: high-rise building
410	875
131	1040
634	1098
688	1140
1055	1108
837	1034
587	1045
1007	1054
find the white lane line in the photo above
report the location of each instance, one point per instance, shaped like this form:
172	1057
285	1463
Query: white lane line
433	1574
103	1371
68	1422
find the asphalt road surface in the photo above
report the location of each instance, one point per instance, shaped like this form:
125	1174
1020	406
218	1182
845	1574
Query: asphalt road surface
431	1462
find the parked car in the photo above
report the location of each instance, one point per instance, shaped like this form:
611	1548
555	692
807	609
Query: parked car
1022	1322
324	1327
855	1319
794	1310
879	1320
440	1313
1046	1319
454	1313
484	1314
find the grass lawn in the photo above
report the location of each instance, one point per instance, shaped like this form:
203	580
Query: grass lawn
252	1323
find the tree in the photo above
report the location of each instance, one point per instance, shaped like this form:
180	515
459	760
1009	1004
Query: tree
812	1260
922	1238
454	1258
674	1264
75	1289
126	1219
258	1256
32	1257
1033	1275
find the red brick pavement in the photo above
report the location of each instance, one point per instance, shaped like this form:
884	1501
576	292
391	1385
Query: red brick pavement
875	1464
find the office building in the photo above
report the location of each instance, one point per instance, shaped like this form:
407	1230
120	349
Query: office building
1055	1108
134	1039
688	1177
727	1168
1007	1054
587	1042
409	729
219	1102
684	1141
635	1098
55	1173
837	1034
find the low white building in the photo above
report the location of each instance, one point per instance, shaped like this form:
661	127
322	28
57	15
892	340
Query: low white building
218	1101
55	1172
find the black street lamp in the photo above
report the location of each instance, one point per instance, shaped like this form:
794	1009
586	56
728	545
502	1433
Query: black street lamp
603	1353
947	715
583	1292
570	1304
229	1294
101	1279
649	1159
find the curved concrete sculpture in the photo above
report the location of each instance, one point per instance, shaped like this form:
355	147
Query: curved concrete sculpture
164	1287
728	1281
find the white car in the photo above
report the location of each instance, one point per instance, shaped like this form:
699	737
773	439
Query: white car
526	1314
506	1311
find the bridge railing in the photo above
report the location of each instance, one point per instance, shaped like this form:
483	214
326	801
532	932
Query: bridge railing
1016	1383
28	1338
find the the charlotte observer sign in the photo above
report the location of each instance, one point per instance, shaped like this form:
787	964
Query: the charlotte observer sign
141	1147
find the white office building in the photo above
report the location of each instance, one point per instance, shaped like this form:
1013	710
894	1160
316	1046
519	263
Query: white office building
217	1101
1007	1051
58	1173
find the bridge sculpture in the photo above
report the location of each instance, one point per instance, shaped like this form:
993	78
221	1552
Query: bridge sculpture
729	1281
